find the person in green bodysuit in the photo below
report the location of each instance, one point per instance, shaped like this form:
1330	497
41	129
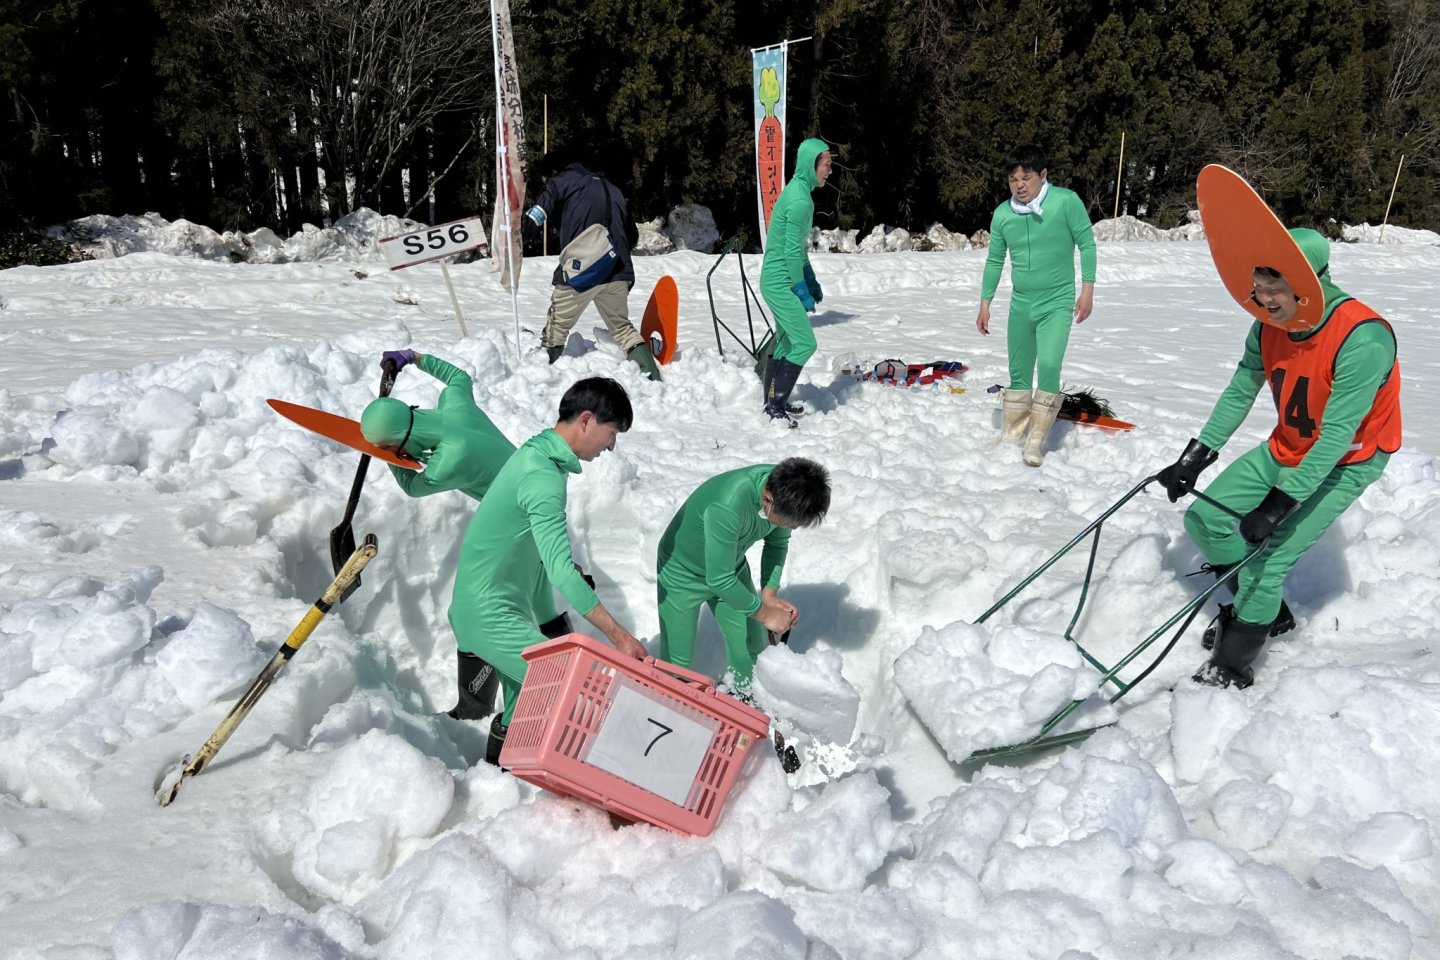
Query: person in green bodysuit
1041	226
787	282
701	559
1336	387
517	546
461	450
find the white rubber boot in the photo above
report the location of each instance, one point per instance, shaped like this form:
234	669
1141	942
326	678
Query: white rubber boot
1042	417
1014	416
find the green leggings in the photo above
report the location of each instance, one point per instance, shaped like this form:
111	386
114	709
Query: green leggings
680	604
1036	334
794	336
1241	487
504	654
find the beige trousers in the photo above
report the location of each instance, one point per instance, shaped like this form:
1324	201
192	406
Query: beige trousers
611	299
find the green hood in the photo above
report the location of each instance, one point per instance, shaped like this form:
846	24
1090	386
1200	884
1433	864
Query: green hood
1317	252
386	421
805	159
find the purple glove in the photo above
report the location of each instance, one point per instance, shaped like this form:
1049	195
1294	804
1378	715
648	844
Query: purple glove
401	358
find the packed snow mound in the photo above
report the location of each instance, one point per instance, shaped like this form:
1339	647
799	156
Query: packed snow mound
1129	229
1367	233
353	238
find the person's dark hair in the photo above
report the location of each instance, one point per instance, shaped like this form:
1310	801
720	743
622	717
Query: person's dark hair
799	491
555	160
1032	159
1270	272
601	396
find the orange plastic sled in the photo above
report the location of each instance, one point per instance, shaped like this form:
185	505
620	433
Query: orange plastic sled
1244	234
1094	420
340	430
662	316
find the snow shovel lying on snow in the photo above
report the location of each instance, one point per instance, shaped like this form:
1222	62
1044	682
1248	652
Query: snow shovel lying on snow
342	538
1048	737
339	588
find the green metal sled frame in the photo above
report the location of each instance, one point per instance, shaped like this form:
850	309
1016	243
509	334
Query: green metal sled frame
1044	740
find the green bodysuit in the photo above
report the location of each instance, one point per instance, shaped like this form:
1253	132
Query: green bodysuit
701	561
461	449
1042	272
516	547
1323	487
786	243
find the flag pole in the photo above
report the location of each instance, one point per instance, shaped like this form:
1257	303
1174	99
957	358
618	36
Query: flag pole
502	176
1398	167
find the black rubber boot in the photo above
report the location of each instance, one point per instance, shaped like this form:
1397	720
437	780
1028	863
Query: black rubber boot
558	627
1237	644
554	353
496	742
783	375
478	684
1284	623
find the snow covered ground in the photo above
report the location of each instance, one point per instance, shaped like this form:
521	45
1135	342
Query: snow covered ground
163	531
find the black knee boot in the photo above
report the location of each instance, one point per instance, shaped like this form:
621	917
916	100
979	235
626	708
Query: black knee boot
1237	644
478	683
783	375
496	741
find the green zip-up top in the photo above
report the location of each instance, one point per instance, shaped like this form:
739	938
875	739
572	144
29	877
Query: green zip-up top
707	540
1042	248
788	239
461	449
519	528
1361	367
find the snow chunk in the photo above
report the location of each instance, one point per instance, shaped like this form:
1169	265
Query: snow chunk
84	440
213	656
1390	837
746	924
975	689
838	840
808	690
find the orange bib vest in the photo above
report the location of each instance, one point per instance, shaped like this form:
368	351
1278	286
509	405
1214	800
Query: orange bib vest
1301	375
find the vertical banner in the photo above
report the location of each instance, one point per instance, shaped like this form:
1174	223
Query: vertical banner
769	84
505	246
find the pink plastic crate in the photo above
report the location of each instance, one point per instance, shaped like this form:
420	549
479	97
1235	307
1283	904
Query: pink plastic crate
558	734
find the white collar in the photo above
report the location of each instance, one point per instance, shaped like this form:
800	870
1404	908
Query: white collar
1034	205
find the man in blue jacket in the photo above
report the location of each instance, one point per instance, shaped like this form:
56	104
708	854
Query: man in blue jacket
578	197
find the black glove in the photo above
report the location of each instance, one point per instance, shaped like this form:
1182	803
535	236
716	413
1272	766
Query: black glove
1262	521
1179	478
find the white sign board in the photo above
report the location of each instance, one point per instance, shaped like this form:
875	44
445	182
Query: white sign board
433	243
648	742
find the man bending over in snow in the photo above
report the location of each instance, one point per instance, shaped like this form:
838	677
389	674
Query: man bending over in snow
701	559
517	546
1337	392
462	450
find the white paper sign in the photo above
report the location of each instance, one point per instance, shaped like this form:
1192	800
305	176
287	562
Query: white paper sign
649	743
433	243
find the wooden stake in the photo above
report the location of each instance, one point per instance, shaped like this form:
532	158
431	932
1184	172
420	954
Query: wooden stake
1119	172
454	300
1392	198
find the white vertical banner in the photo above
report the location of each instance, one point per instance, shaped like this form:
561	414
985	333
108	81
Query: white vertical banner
768	66
505	248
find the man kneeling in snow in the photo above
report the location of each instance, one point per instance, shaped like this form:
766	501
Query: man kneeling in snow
701	559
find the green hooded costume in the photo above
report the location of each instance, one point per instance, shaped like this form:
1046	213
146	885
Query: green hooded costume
461	449
786	260
1323	488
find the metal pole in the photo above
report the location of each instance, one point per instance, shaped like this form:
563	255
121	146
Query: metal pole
454	300
780	44
545	146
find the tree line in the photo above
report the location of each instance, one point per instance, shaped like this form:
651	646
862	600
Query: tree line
248	113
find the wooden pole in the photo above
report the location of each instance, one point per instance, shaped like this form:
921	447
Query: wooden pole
1119	172
1392	198
454	300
